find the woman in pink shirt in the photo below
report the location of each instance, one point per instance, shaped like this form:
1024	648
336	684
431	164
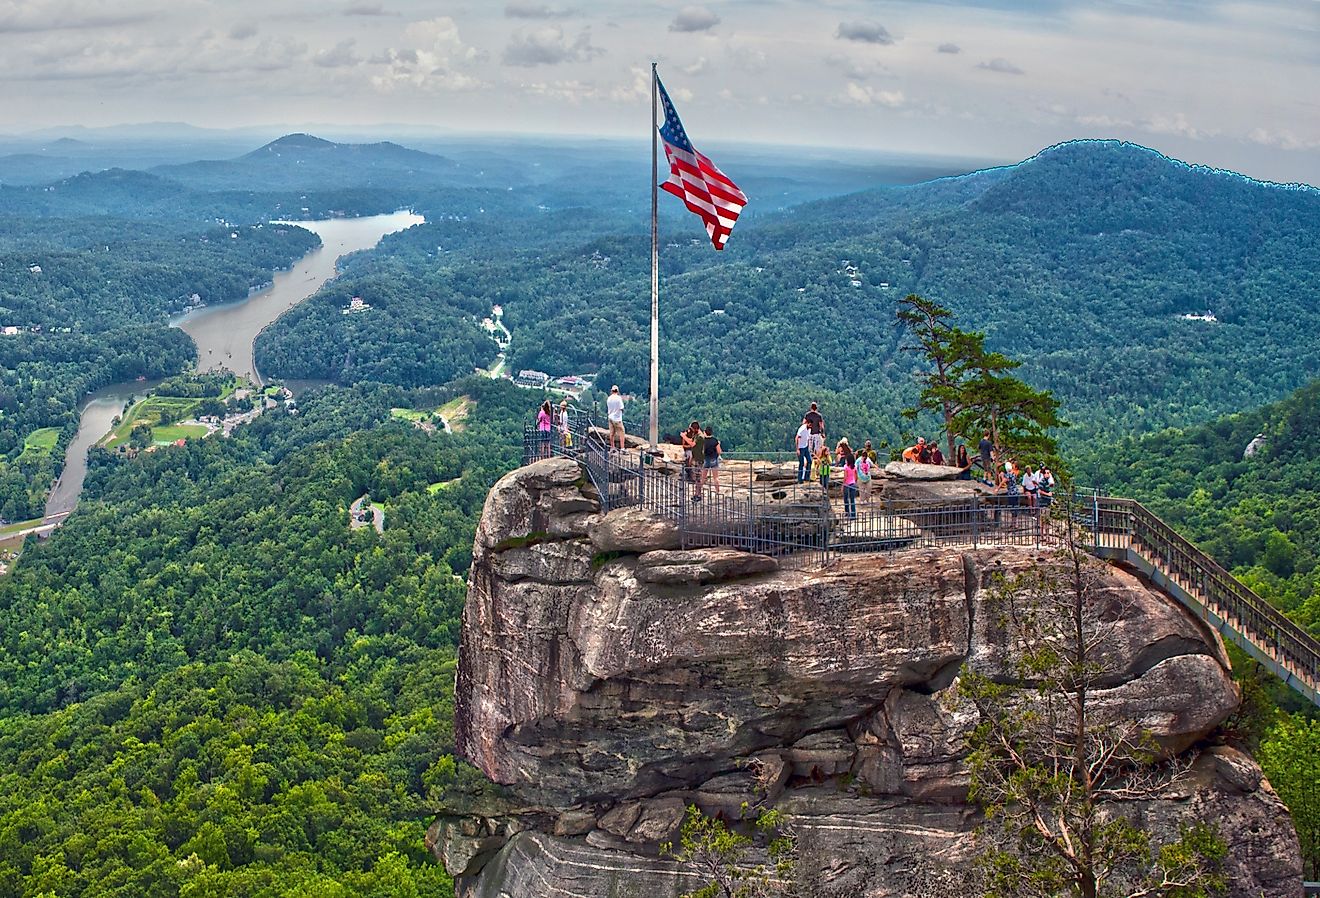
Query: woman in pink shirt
848	461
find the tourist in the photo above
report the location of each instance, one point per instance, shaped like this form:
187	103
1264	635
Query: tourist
711	463
865	471
565	431
1029	486
961	460
823	469
987	451
913	453
543	426
803	443
936	456
1011	487
688	439
816	424
614	412
1045	485
698	461
924	450
848	462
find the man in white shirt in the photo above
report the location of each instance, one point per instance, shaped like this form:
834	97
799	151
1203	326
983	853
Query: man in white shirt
803	442
614	409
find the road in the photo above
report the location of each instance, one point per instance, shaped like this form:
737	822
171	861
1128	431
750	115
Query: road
44	528
377	515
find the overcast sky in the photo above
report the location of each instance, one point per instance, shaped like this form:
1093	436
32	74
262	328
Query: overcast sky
1232	84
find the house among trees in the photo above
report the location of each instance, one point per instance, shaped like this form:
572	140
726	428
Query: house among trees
355	305
532	380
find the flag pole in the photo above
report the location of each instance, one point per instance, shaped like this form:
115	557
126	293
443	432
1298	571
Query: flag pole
655	279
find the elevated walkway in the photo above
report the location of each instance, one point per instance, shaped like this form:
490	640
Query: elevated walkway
802	525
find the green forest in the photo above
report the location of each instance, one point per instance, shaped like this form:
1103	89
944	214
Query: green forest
211	686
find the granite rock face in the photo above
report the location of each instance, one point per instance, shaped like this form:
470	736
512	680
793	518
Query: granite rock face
609	679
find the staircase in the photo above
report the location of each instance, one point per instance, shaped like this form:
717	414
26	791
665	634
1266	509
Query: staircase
1126	531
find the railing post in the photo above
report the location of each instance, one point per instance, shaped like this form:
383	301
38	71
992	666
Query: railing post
976	520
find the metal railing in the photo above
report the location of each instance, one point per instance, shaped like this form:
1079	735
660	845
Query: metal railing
1127	529
761	506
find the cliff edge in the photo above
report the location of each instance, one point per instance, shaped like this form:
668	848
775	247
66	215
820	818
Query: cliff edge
608	678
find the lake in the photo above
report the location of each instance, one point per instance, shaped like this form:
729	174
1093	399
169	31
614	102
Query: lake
224	334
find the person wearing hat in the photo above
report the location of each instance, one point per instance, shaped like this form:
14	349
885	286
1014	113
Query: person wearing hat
614	411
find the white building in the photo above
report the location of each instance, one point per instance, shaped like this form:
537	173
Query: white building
355	305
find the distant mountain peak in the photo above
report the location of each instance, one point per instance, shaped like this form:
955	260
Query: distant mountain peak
298	141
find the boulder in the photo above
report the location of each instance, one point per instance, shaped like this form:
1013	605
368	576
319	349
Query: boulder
693	566
633	530
907	470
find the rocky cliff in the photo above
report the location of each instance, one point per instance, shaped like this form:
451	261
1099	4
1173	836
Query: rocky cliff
608	679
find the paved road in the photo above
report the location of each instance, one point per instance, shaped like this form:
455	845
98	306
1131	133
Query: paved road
47	525
377	515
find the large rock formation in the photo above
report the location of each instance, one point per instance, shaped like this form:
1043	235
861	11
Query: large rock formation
608	679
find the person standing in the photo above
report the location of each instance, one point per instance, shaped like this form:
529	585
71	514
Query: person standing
816	424
823	470
803	443
987	451
698	461
688	439
543	426
711	464
936	456
614	411
961	460
865	471
565	433
848	461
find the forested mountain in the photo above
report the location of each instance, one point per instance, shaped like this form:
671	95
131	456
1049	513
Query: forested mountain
307	162
1079	261
1258	515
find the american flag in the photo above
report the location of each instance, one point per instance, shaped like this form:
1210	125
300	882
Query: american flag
695	180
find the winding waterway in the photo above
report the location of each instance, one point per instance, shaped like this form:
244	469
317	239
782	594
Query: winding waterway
224	336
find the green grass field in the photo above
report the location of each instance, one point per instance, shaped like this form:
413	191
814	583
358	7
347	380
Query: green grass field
11	529
41	442
172	432
149	412
437	487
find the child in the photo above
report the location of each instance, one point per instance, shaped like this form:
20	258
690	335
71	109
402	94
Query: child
823	468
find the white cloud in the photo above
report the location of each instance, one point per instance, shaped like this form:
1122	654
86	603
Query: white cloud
438	59
548	45
865	32
694	18
866	95
338	56
526	9
858	69
700	67
1001	65
948	48
242	31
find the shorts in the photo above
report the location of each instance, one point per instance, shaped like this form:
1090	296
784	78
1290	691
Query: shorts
711	463
817	443
616	427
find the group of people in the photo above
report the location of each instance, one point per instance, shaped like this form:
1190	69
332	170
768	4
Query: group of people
701	458
549	419
856	467
928	452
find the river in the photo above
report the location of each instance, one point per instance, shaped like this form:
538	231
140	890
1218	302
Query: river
95	418
224	335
